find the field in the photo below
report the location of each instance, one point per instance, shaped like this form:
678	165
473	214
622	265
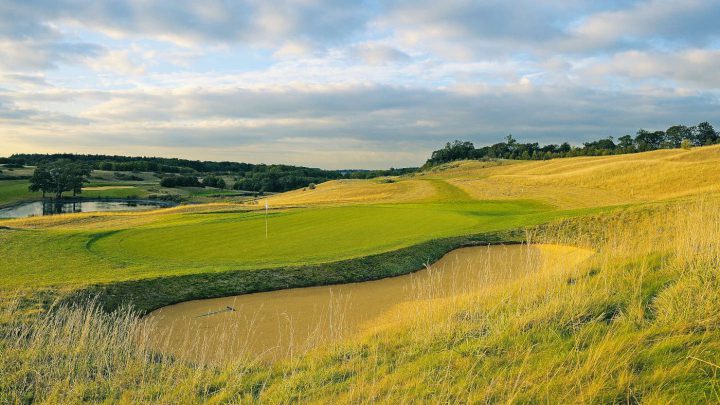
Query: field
636	323
105	184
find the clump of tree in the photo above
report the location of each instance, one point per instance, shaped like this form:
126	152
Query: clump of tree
180	181
214	181
371	174
674	137
279	178
59	177
127	177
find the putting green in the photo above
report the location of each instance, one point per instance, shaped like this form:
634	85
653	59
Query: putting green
306	235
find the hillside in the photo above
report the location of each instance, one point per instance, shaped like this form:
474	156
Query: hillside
565	183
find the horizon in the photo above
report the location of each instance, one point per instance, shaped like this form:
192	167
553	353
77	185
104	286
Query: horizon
347	85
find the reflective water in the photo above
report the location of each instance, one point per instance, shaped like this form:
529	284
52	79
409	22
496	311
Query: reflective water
38	208
281	323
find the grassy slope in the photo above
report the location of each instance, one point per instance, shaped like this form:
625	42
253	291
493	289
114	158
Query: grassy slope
564	183
12	191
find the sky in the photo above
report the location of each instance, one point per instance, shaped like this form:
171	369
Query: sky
347	84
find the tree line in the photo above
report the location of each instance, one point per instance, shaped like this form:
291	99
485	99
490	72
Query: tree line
674	137
192	181
279	178
187	173
130	163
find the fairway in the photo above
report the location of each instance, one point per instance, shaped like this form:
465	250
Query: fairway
167	243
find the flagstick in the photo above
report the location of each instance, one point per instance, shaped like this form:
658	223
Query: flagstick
266	215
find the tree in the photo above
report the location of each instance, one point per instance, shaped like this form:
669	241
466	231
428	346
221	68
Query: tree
214	181
456	150
626	143
40	181
180	181
646	140
59	177
705	134
676	133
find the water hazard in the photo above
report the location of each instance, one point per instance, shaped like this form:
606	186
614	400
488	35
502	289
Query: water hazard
284	323
39	208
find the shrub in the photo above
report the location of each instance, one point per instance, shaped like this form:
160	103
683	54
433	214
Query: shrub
180	181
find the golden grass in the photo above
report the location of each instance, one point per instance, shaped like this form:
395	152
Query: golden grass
360	191
596	181
578	182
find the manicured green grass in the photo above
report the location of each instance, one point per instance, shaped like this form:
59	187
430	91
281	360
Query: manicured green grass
188	243
12	191
134	192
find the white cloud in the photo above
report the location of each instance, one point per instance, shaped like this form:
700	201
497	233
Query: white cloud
118	61
379	54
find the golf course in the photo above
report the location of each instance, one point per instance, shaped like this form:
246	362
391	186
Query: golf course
625	310
344	219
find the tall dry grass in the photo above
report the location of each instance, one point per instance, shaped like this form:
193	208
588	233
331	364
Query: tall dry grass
637	322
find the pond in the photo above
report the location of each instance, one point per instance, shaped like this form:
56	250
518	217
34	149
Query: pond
39	208
281	324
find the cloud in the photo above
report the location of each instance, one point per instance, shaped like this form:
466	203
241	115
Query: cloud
672	23
188	20
695	68
38	55
380	121
118	61
378	54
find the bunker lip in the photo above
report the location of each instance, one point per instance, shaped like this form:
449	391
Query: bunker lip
146	295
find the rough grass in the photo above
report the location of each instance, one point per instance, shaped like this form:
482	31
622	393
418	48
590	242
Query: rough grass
637	323
564	183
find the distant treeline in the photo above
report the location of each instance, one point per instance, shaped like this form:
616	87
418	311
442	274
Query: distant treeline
674	137
371	174
187	173
275	179
132	164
